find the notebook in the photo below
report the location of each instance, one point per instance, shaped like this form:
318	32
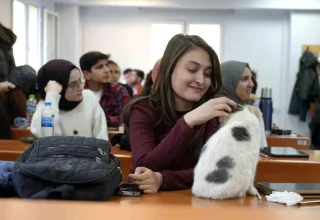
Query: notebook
306	190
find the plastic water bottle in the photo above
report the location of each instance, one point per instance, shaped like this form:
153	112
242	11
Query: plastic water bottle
20	122
266	108
30	109
47	120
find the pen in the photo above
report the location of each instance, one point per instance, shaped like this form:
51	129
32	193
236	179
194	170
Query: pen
309	202
263	155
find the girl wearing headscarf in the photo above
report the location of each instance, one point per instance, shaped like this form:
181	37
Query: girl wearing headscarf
237	85
77	111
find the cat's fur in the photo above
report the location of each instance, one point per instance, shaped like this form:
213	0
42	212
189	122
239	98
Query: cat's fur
227	164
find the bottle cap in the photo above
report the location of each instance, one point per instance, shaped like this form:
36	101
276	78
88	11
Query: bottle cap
269	93
31	96
264	92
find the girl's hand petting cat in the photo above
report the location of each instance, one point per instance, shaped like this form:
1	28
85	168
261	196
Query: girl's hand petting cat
218	107
53	86
148	181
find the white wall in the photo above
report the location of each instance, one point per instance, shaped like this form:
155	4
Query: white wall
69	32
205	4
260	40
6	13
304	29
257	37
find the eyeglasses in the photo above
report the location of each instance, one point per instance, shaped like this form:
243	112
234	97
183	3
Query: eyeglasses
77	85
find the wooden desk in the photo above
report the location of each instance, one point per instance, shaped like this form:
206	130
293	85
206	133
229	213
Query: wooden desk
268	170
12	149
164	205
18	133
290	170
288	141
296	142
113	133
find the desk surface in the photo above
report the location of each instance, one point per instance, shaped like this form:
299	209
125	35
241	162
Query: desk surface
269	169
298	142
164	205
17	147
18	133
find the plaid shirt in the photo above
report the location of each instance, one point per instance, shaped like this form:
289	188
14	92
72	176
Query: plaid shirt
113	100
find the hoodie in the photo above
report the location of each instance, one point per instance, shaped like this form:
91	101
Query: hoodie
306	89
7	39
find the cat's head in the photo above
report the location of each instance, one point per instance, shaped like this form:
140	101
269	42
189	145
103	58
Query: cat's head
240	112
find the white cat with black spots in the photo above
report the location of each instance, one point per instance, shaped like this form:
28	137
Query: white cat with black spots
227	165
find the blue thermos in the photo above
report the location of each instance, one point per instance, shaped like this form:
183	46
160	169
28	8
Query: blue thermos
265	106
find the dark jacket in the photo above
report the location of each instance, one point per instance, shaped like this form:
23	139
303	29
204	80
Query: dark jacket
5	129
7	39
14	101
306	89
128	88
314	126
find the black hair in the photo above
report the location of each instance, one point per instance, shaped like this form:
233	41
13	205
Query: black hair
254	80
128	88
140	73
127	71
88	60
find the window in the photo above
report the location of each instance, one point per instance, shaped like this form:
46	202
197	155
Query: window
160	36
26	25
162	33
34	52
50	45
208	32
36	44
20	29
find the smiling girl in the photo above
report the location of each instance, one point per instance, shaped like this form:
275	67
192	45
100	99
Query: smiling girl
169	127
238	85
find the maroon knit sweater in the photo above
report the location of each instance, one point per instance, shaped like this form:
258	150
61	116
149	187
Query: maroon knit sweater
163	148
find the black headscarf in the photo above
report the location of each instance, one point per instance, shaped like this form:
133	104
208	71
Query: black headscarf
59	71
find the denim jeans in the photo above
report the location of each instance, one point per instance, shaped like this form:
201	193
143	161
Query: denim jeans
6	185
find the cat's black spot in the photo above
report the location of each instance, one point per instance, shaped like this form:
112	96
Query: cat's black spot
225	162
218	176
241	134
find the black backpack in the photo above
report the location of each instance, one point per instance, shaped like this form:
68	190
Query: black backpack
70	168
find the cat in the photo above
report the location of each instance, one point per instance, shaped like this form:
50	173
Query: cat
227	164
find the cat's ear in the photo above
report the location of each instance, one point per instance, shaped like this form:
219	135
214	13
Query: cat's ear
254	110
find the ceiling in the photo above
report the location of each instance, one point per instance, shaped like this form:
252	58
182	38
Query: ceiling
203	4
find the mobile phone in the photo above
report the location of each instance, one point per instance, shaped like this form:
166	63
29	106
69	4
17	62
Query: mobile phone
128	189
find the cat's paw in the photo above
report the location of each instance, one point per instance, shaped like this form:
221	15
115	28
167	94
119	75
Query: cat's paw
252	191
242	194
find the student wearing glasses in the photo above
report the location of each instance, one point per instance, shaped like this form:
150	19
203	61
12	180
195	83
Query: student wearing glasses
77	111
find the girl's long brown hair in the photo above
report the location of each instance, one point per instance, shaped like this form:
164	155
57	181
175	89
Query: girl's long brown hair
162	94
